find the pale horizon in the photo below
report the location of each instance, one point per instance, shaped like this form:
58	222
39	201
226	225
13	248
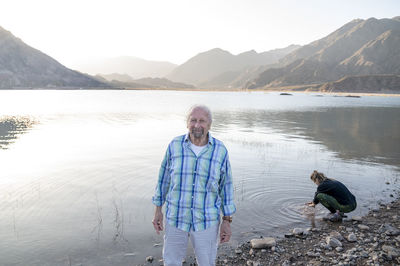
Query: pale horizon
73	32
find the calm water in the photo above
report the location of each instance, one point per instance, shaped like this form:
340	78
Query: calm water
78	168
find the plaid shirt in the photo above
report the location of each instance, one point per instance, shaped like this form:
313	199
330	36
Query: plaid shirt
195	188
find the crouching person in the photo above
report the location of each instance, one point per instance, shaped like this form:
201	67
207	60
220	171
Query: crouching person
333	195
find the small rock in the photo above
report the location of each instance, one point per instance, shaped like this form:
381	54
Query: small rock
297	231
265	242
389	230
272	249
357	218
333	242
391	251
129	254
337	235
363	227
351	237
149	258
288	235
312	254
339	249
251	252
238	251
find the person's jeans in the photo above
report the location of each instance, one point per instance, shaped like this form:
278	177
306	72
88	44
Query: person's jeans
332	204
204	244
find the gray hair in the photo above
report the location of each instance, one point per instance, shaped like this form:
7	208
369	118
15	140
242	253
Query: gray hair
198	106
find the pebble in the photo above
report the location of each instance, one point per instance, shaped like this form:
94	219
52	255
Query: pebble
238	251
357	218
363	227
297	231
149	258
265	242
337	235
333	242
351	237
391	251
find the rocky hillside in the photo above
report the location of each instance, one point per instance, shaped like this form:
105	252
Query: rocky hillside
126	81
22	66
132	66
360	47
218	66
370	83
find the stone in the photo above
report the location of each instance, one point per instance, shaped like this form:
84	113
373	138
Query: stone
297	231
337	235
363	227
312	254
266	242
389	230
238	251
351	237
339	249
149	258
288	235
129	254
357	218
333	242
391	251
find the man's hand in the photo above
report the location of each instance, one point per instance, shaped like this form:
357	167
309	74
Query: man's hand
311	204
225	231
158	220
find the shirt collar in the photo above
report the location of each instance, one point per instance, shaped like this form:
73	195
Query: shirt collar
210	138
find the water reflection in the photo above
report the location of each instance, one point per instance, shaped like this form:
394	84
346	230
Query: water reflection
367	134
11	127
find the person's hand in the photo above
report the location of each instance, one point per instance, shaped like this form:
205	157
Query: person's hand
311	204
158	220
225	232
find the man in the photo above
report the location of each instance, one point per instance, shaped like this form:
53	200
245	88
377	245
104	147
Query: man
333	195
195	181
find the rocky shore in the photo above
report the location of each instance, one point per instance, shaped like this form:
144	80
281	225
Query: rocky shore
370	240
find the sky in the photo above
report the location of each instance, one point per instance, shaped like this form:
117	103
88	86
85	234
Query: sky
75	31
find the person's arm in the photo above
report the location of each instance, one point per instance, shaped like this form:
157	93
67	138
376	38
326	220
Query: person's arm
324	187
158	219
228	206
162	188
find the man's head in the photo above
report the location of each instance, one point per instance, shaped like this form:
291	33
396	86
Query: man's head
199	121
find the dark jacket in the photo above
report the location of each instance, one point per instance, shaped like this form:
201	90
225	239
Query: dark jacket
337	190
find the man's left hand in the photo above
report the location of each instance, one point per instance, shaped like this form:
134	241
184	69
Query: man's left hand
225	231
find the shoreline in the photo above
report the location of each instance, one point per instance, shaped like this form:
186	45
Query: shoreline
373	239
274	90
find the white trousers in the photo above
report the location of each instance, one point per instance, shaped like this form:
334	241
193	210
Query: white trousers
204	244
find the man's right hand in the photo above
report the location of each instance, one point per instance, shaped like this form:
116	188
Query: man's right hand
158	220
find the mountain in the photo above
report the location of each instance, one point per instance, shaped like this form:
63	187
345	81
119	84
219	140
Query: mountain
126	81
22	66
132	66
359	48
370	83
220	66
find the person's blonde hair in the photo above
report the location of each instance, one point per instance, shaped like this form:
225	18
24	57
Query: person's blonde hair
318	176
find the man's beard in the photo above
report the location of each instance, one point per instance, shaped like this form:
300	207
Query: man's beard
198	133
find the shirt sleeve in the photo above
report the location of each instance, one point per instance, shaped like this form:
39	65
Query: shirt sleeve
226	188
164	179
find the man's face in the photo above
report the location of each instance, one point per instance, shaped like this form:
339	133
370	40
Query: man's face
198	123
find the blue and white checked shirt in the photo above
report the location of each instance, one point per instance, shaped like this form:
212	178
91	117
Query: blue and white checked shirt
196	188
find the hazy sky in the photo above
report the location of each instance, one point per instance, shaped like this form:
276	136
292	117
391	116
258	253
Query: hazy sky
72	31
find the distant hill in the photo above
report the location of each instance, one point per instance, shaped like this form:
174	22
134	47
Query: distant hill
359	48
132	66
370	83
127	81
22	66
218	66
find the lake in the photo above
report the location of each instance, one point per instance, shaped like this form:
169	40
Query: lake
79	168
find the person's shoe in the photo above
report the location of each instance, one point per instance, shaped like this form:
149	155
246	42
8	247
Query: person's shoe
343	214
336	217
